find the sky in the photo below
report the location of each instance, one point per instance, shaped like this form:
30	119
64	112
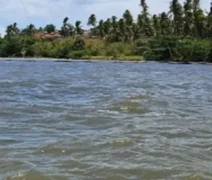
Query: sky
42	12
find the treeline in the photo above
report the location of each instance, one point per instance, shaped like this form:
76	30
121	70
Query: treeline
182	34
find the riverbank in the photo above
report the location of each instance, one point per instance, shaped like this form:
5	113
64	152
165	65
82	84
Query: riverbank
133	59
84	59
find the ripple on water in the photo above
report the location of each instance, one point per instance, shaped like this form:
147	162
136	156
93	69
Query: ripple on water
52	149
105	121
31	175
133	105
7	166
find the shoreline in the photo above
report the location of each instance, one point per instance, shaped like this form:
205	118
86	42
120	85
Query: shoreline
94	60
33	59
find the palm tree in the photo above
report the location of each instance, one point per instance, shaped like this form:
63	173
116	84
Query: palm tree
65	20
144	6
64	30
177	11
67	29
156	24
29	30
12	30
144	20
107	26
140	22
165	24
188	18
199	19
92	20
135	31
71	29
101	28
114	25
122	29
209	23
128	18
78	28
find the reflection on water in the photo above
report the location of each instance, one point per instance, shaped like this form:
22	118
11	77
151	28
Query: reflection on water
66	121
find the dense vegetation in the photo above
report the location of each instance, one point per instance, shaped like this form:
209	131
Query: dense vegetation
182	34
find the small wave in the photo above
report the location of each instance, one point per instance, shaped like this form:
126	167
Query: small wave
51	149
31	175
133	105
195	177
121	142
8	141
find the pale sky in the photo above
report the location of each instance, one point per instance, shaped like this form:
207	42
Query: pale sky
42	12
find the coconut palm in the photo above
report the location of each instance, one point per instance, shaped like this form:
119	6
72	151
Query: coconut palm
101	28
29	30
128	18
92	20
176	10
165	24
78	28
12	30
188	18
156	24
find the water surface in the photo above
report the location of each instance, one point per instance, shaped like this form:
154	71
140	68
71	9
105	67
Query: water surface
111	121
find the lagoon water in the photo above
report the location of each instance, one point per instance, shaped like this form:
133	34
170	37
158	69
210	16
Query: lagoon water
109	121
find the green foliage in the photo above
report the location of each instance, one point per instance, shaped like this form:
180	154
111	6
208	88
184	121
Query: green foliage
76	54
117	49
50	28
42	49
68	48
181	34
178	49
95	47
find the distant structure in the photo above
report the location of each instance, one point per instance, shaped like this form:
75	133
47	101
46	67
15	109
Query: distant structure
46	35
57	35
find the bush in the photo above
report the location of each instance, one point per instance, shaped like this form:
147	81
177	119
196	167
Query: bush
95	47
76	54
42	49
177	49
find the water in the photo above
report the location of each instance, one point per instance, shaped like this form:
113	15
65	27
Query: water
110	121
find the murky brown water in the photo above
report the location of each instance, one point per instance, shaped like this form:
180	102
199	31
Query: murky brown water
111	121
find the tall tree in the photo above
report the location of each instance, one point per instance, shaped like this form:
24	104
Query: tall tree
92	20
188	18
29	30
50	28
128	18
209	23
101	28
144	17
67	29
65	20
114	24
107	26
12	30
199	19
78	28
177	11
156	24
165	24
122	29
135	31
